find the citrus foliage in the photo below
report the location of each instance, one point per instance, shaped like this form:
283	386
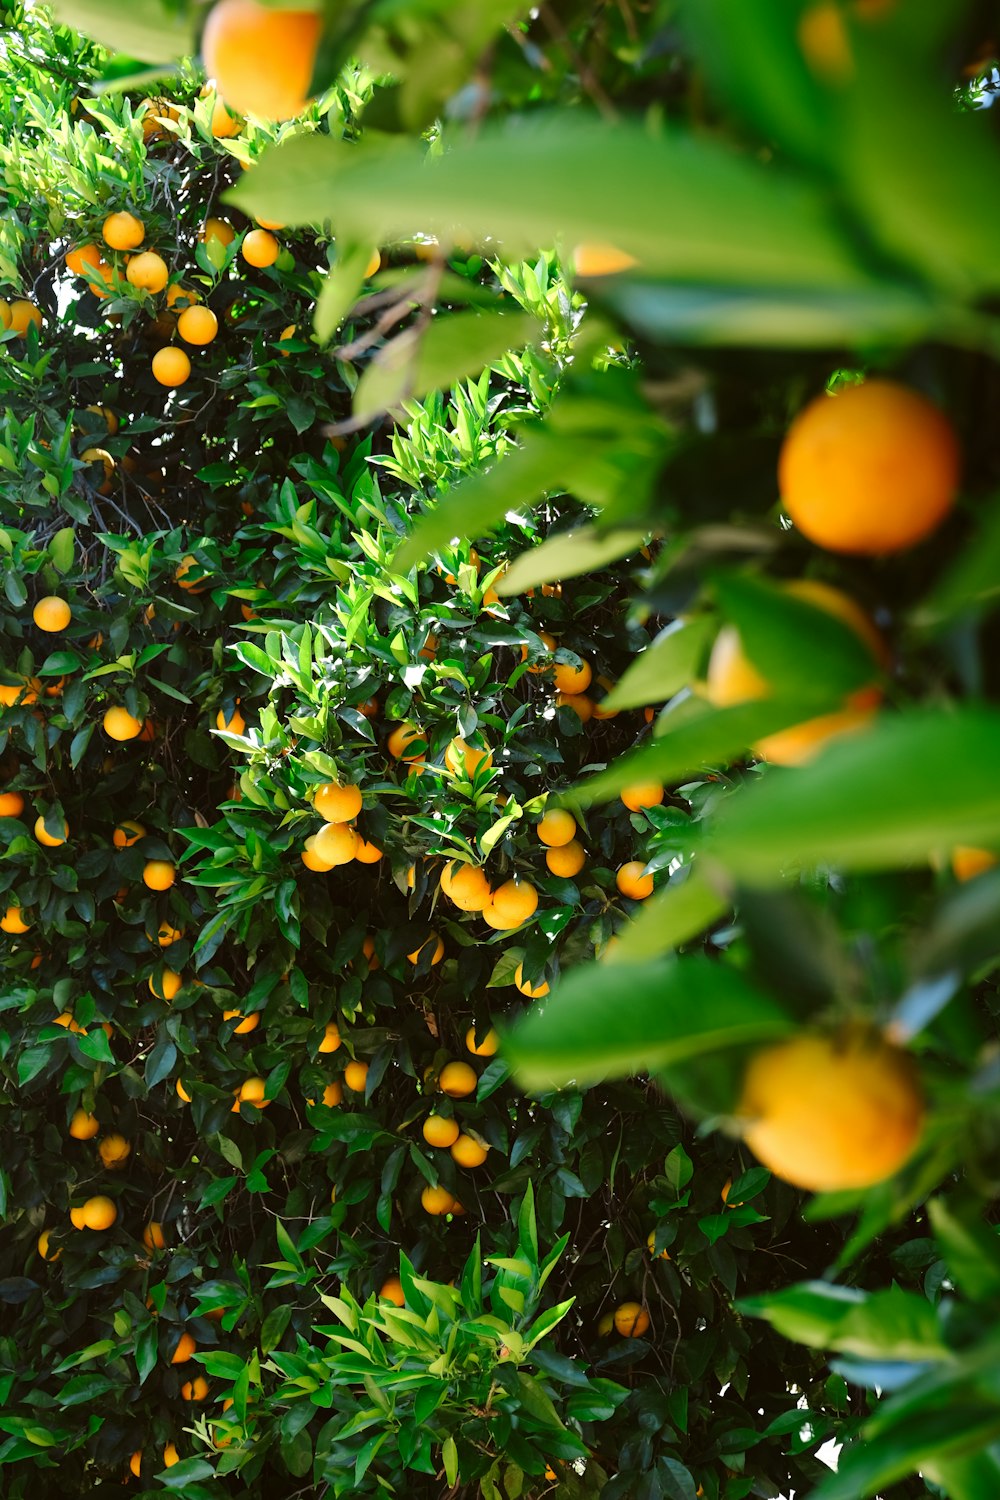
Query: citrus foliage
323	753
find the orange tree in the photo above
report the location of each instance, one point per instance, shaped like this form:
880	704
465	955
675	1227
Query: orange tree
325	752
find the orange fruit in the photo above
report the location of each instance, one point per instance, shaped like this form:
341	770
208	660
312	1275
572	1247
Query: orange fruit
581	705
170	1456
311	859
373	263
114	1151
148	272
367	854
120	725
171	366
335	842
217	229
337	804
82	1126
333	1095
251	1091
601	260
44	837
356	1075
568	860
644	794
167	986
513	903
135	1462
651	1246
247	1024
22	314
438	951
123	231
533	992
97	1213
437	1200
80	259
484	1048
127	833
400	740
11	804
331	1038
159	874
184	1349
632	882
234	725
872	469
187	564
165	934
223	124
262	59
466	885
177	293
439	1131
260	248
26	691
197	325
458	1080
13	921
631	1320
182	1092
290	331
829	1113
967	863
52	614
732	678
392	1290
556	828
469	1152
465	760
570	679
492	919
195	1390
153	1237
42	1245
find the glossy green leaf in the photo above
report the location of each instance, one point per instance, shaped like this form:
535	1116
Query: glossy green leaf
669	664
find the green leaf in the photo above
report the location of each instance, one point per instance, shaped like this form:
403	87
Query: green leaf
671	916
449	349
669	664
873	801
152	30
61	549
449	1457
567	554
891	1325
608	1021
970	1248
567	180
340	291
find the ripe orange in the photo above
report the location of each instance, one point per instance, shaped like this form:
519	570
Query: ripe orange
44	837
171	366
645	794
437	953
182	1092
147	272
22	314
286	333
631	1320
184	1350
513	903
556	828
11	804
437	1200
439	1131
469	1152
337	804
26	691
170	1456
568	860
82	258
197	325
631	881
123	231
135	1462
601	260
463	759
82	1126
392	1290
651	1247
97	1213
372	265
570	679
114	1151
466	885
732	678
13	921
967	863
331	1038
550	643
52	614
533	992
187	564
356	1075
177	293
247	1024
110	417
831	1113
457	1080
333	1094
262	59
366	853
223	124
234	725
486	1047
217	229
871	469
400	740
120	725
127	833
311	859
195	1390
42	1245
260	248
153	1237
159	874
165	934
167	986
336	842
